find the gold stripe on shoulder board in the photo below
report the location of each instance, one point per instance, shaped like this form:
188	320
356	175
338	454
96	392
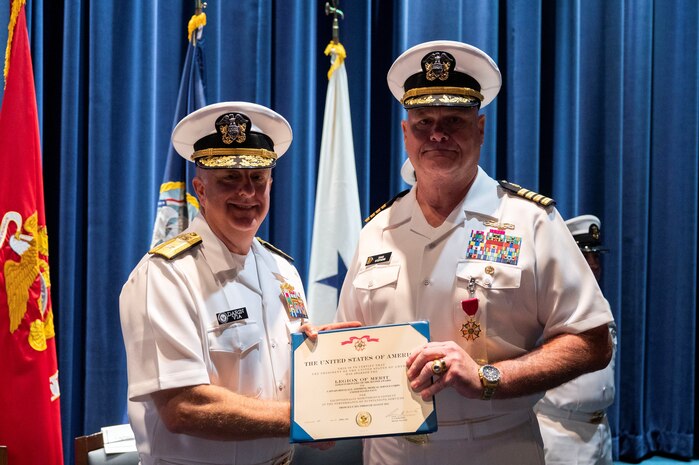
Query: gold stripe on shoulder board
386	205
175	246
527	194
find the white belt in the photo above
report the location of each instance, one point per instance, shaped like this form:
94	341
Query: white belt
284	459
473	428
587	417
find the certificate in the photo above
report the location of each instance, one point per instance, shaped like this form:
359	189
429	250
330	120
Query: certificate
353	383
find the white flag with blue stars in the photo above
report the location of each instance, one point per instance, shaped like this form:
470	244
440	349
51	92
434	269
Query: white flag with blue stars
337	219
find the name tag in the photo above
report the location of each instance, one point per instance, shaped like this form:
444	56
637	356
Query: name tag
380	258
230	316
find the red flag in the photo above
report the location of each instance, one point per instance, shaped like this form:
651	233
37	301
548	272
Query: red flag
30	420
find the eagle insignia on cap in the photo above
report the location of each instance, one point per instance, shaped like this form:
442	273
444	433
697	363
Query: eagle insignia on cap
233	127
437	65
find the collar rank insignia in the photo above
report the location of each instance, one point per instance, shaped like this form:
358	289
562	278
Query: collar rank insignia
295	306
176	246
527	194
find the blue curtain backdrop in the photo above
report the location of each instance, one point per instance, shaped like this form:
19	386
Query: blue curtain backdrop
599	110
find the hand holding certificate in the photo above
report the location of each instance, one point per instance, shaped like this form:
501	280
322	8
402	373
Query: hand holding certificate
353	383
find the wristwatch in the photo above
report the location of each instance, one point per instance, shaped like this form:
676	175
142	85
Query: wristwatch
490	378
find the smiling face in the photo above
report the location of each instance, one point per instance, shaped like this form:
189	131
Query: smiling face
234	203
443	143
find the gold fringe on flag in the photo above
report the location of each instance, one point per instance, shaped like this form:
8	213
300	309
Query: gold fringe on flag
16	5
340	54
195	22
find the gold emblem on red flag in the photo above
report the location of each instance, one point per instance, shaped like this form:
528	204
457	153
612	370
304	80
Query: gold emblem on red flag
30	244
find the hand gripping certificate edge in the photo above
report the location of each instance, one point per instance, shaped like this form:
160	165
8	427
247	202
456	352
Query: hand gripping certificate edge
299	435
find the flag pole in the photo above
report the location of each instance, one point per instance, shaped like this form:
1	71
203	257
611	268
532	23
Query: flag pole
335	11
197	21
337	218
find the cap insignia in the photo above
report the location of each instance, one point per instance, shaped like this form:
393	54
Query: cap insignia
233	127
437	65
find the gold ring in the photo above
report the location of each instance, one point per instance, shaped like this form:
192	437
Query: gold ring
439	367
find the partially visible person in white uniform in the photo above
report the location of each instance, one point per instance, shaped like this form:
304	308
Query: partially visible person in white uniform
206	316
513	308
572	417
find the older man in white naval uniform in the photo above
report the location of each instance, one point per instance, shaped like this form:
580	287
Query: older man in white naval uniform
572	417
513	308
206	316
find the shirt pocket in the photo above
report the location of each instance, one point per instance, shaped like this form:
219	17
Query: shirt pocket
236	357
488	275
377	277
497	290
375	288
235	337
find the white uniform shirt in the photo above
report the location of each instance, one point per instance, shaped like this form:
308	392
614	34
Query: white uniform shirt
171	315
547	288
573	421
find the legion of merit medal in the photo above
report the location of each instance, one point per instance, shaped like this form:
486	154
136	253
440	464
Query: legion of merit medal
471	330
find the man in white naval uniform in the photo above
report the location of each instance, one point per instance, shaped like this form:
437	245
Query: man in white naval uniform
206	316
513	308
572	417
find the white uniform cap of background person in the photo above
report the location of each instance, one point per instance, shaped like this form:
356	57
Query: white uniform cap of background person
407	172
587	231
444	73
232	135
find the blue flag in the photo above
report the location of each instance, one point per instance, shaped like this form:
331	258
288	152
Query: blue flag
177	205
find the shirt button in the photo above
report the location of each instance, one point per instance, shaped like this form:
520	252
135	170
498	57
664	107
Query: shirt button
274	345
371	284
281	386
426	282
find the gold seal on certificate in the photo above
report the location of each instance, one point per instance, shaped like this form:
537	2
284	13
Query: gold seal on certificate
353	383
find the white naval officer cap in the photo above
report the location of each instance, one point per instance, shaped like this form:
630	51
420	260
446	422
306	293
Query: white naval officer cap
232	135
587	232
444	73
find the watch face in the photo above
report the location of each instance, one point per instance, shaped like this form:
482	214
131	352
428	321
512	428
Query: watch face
491	373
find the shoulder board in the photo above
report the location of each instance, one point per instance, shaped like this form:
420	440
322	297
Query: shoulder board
175	246
527	194
386	205
274	249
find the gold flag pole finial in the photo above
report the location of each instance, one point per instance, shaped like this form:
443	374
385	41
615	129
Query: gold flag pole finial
335	47
197	21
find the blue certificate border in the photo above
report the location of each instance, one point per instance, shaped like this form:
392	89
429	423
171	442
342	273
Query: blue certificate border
298	434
